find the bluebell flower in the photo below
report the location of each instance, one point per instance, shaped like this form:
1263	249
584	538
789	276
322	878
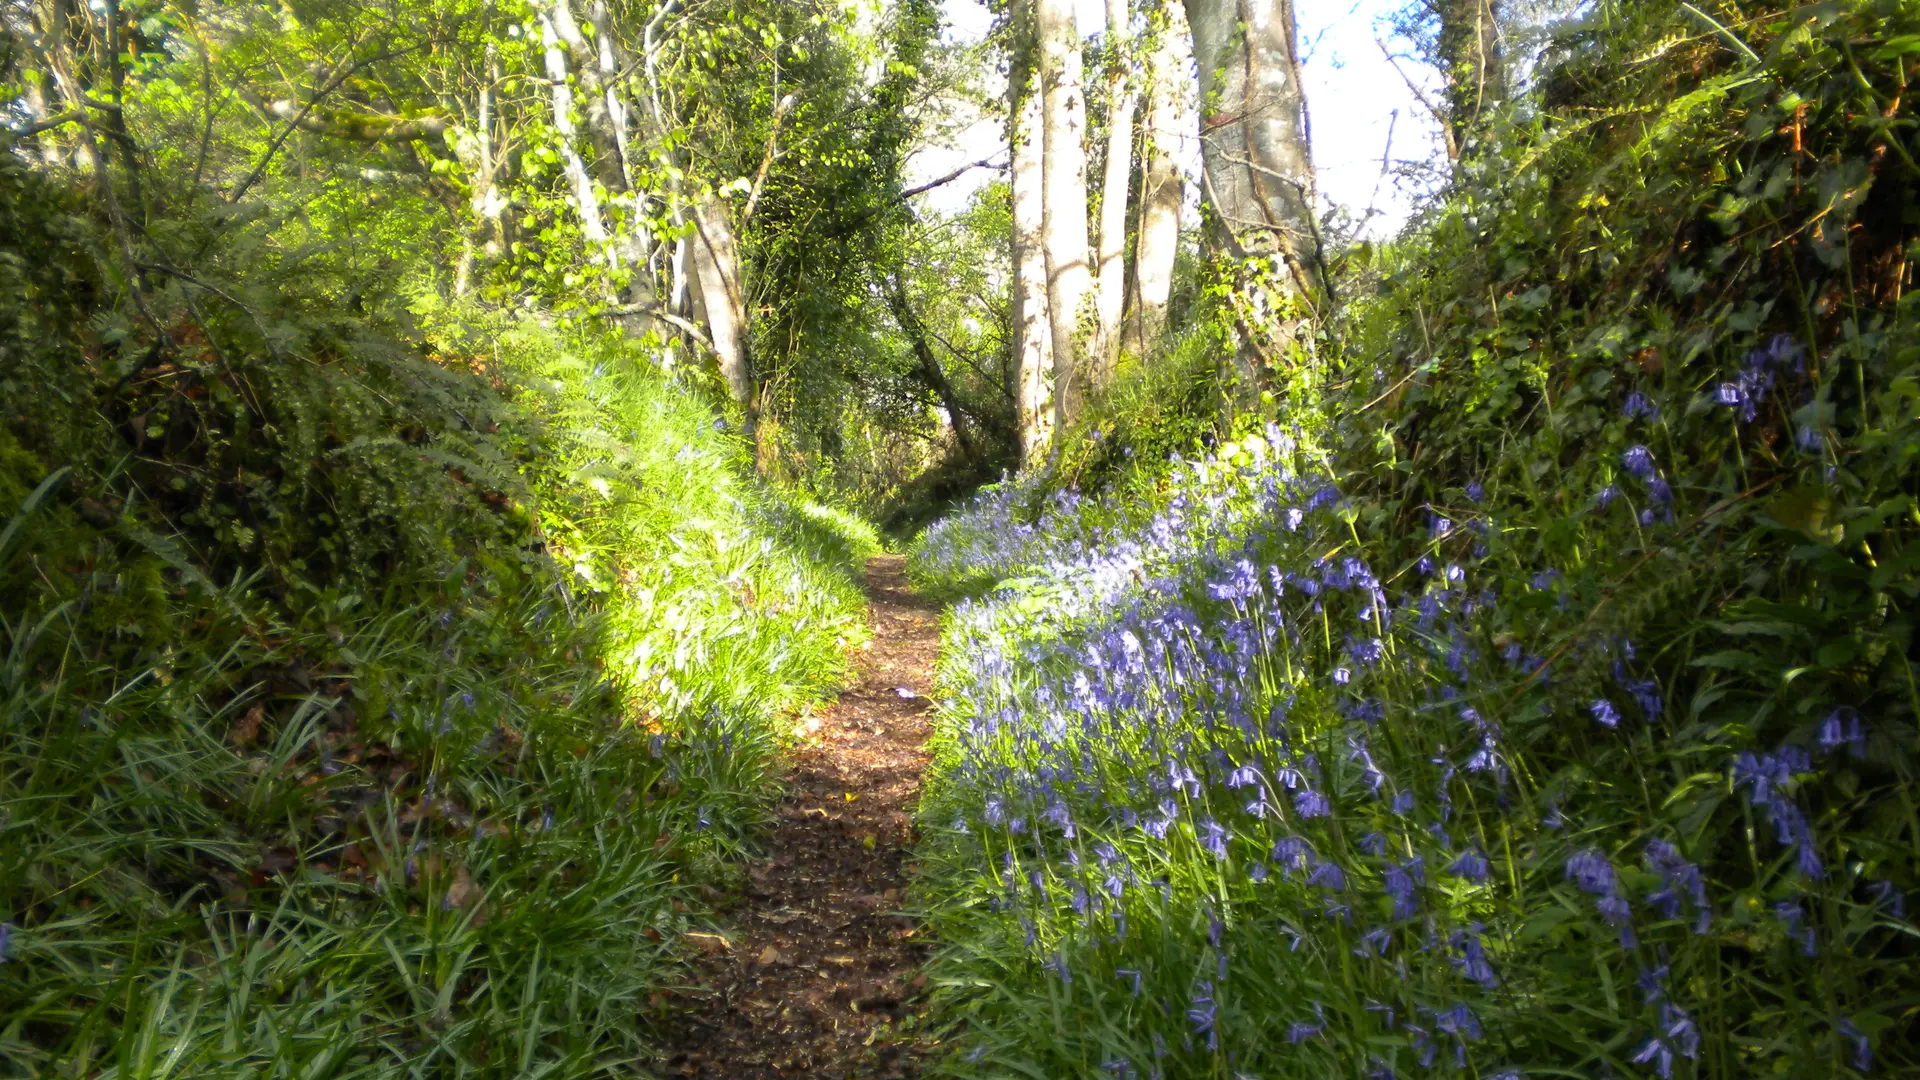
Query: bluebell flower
1309	803
1842	728
1659	1054
1402	804
1374	943
1059	966
1212	836
1607	495
1472	961
1639	405
1793	915
1292	853
1680	881
1886	895
1129	973
1475	493
1646	694
1458	1021
1373	843
1202	1013
6	940
1808	438
1328	876
1472	865
1398	881
1299	1032
1638	460
1341	676
1593	874
1862	1049
1604	711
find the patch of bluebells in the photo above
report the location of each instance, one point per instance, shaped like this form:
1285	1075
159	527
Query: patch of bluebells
1227	698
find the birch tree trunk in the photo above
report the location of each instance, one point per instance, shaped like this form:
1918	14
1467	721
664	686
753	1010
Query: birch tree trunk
716	263
1033	356
1064	198
1161	190
608	115
1258	174
585	202
1121	103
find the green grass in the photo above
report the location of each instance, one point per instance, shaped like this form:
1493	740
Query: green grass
363	716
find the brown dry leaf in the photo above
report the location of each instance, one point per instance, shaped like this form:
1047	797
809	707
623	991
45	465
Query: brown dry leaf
463	892
770	956
711	944
247	728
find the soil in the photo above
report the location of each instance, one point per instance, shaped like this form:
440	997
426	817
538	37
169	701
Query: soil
819	975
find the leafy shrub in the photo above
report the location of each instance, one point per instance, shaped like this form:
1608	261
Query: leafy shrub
1535	696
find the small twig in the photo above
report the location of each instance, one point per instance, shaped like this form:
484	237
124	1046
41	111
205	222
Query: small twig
1439	115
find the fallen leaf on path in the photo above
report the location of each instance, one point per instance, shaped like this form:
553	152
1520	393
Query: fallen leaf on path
711	944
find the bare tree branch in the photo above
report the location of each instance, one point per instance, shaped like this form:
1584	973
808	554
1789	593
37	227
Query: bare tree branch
983	163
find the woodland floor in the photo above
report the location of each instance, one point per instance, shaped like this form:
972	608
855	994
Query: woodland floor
818	975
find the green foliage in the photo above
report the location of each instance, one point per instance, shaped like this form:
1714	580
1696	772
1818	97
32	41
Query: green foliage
371	700
1626	440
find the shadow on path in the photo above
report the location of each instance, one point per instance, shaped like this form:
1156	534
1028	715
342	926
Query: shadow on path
821	970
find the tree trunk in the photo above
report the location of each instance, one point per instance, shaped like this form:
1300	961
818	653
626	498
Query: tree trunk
927	365
717	268
1064	197
1121	103
608	120
1253	134
1161	190
585	202
1033	355
1470	58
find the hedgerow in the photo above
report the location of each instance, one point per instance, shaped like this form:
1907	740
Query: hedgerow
372	697
1531	693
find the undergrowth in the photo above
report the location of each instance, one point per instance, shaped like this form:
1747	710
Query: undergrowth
374	697
1533	694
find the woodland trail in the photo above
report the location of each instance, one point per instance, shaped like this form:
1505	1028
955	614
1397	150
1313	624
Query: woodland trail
819	976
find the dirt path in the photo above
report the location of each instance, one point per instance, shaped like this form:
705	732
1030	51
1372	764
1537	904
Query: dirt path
821	971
